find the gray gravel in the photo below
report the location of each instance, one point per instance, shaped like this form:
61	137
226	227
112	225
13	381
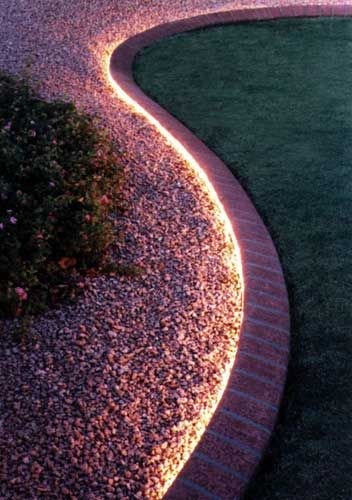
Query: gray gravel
105	402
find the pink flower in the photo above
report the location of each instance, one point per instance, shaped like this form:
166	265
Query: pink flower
21	293
104	200
1	226
13	220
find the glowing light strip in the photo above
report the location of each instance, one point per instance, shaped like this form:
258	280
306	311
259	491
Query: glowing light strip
205	417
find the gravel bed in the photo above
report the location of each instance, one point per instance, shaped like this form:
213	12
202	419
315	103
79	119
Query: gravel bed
107	399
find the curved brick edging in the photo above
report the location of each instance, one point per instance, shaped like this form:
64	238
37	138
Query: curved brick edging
236	438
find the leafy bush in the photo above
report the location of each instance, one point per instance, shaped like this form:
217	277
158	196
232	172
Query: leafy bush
59	181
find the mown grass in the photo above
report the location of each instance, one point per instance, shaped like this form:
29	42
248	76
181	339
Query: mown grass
274	101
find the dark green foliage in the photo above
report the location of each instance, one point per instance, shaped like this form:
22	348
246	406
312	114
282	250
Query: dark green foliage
274	100
59	180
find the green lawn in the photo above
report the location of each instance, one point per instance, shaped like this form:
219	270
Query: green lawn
274	101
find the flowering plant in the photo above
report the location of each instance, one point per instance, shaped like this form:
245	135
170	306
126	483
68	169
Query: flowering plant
59	183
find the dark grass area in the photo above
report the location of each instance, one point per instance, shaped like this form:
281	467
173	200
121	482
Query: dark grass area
274	101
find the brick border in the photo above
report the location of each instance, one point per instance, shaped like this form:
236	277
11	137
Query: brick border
233	444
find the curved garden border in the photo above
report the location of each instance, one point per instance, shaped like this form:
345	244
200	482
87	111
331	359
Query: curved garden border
234	442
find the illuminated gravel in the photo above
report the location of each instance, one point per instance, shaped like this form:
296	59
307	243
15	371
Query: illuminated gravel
104	403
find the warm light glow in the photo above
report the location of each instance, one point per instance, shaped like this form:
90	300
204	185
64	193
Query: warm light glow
194	432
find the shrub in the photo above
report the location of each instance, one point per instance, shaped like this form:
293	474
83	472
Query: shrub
59	181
